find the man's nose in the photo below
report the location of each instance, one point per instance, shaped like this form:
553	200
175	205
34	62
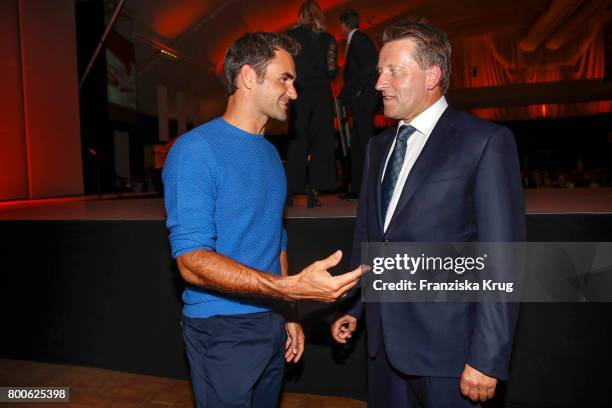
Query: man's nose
291	92
381	83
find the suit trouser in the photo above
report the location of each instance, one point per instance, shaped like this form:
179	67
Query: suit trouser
236	361
389	388
363	108
312	132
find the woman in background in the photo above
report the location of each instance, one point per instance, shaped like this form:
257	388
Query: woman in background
312	120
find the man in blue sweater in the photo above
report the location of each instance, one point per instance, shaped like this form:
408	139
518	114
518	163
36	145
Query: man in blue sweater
224	194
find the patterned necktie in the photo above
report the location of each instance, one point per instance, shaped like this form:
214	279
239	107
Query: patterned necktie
394	166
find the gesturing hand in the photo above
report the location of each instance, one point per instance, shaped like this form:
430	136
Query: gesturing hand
343	327
476	385
315	282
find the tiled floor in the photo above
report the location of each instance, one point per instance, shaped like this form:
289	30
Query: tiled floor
94	387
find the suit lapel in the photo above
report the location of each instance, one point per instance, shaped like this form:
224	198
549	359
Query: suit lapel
386	141
427	160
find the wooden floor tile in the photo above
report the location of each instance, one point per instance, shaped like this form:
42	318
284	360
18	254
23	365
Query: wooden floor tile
100	388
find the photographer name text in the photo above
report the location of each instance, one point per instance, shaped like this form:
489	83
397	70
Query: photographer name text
485	285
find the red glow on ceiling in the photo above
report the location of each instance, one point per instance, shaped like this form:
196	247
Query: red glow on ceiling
175	18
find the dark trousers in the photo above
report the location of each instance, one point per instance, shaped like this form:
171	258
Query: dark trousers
312	132
236	361
389	388
363	108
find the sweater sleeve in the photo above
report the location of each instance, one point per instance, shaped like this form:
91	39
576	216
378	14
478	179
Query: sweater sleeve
190	189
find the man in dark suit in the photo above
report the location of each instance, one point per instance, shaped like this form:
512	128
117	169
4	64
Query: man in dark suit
440	176
358	92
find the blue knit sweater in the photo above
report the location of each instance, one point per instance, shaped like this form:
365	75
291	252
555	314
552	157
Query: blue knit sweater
225	192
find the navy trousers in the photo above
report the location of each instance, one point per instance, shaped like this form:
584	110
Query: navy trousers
389	388
236	361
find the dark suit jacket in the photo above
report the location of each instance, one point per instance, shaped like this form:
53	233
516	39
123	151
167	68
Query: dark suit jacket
465	186
360	68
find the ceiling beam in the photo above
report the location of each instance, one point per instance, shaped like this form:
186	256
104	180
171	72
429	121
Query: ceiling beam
558	12
593	12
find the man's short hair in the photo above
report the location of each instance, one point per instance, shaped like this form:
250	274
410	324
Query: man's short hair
432	45
350	18
256	50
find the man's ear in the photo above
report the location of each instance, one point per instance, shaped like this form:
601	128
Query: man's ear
248	76
434	74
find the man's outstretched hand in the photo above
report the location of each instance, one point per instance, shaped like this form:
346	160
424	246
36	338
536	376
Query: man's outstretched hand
315	282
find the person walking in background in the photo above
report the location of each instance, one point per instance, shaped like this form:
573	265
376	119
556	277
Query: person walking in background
358	92
312	119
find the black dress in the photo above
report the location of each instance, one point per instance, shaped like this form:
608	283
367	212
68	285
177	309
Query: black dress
312	119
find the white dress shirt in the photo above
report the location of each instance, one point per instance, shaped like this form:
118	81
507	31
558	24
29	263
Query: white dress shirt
348	41
424	124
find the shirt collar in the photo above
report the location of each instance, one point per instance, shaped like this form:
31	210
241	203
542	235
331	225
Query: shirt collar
348	39
427	119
